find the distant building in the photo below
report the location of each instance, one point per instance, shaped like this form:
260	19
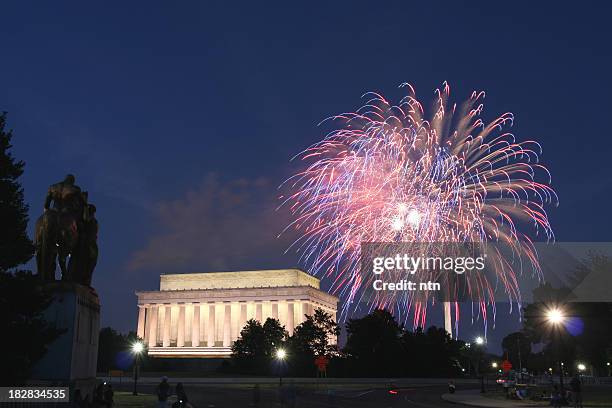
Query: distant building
201	314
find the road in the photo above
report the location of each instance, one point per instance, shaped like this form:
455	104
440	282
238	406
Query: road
313	396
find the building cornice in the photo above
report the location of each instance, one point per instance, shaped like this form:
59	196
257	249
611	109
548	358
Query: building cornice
288	293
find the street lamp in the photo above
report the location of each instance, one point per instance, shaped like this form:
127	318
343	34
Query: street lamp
480	341
581	367
494	364
281	355
555	317
137	349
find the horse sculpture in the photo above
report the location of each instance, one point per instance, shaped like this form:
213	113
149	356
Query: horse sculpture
56	239
67	235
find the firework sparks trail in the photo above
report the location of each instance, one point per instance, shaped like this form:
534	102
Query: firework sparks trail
387	174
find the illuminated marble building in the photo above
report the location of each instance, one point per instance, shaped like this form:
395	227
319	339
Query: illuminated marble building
201	314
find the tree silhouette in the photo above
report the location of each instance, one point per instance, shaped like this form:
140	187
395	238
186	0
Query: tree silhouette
22	300
254	351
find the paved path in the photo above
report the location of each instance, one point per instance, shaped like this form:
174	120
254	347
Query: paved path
475	399
147	379
312	396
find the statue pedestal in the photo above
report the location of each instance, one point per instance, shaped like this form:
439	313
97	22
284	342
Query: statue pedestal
72	358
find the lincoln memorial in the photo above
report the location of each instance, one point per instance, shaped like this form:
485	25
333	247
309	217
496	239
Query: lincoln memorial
201	314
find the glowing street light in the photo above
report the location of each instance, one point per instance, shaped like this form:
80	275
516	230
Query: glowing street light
555	316
494	364
480	341
137	349
280	355
581	367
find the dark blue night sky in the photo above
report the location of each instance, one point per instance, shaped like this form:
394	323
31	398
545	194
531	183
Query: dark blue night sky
180	117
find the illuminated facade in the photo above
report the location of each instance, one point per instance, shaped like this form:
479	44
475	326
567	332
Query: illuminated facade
201	314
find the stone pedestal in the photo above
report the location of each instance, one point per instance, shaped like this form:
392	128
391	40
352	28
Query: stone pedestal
72	358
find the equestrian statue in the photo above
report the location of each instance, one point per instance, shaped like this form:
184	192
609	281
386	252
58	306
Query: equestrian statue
67	234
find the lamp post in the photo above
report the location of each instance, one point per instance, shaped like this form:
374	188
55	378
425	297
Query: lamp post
555	317
137	349
480	341
281	355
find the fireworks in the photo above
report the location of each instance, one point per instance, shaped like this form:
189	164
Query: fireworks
387	174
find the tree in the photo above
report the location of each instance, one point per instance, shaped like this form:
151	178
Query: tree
517	348
312	338
25	332
431	353
373	345
110	344
378	346
313	335
254	351
22	300
15	246
275	336
115	350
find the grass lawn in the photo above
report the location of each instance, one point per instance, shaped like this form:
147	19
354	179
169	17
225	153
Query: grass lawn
127	400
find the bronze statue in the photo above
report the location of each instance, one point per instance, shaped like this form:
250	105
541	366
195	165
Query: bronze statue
67	229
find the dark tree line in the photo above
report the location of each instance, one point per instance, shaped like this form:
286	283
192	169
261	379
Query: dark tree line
114	350
377	346
255	351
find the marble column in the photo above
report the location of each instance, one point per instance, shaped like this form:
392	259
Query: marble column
311	309
195	326
259	312
290	318
275	310
167	314
299	316
153	327
243	317
147	331
140	332
211	325
227	325
180	335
